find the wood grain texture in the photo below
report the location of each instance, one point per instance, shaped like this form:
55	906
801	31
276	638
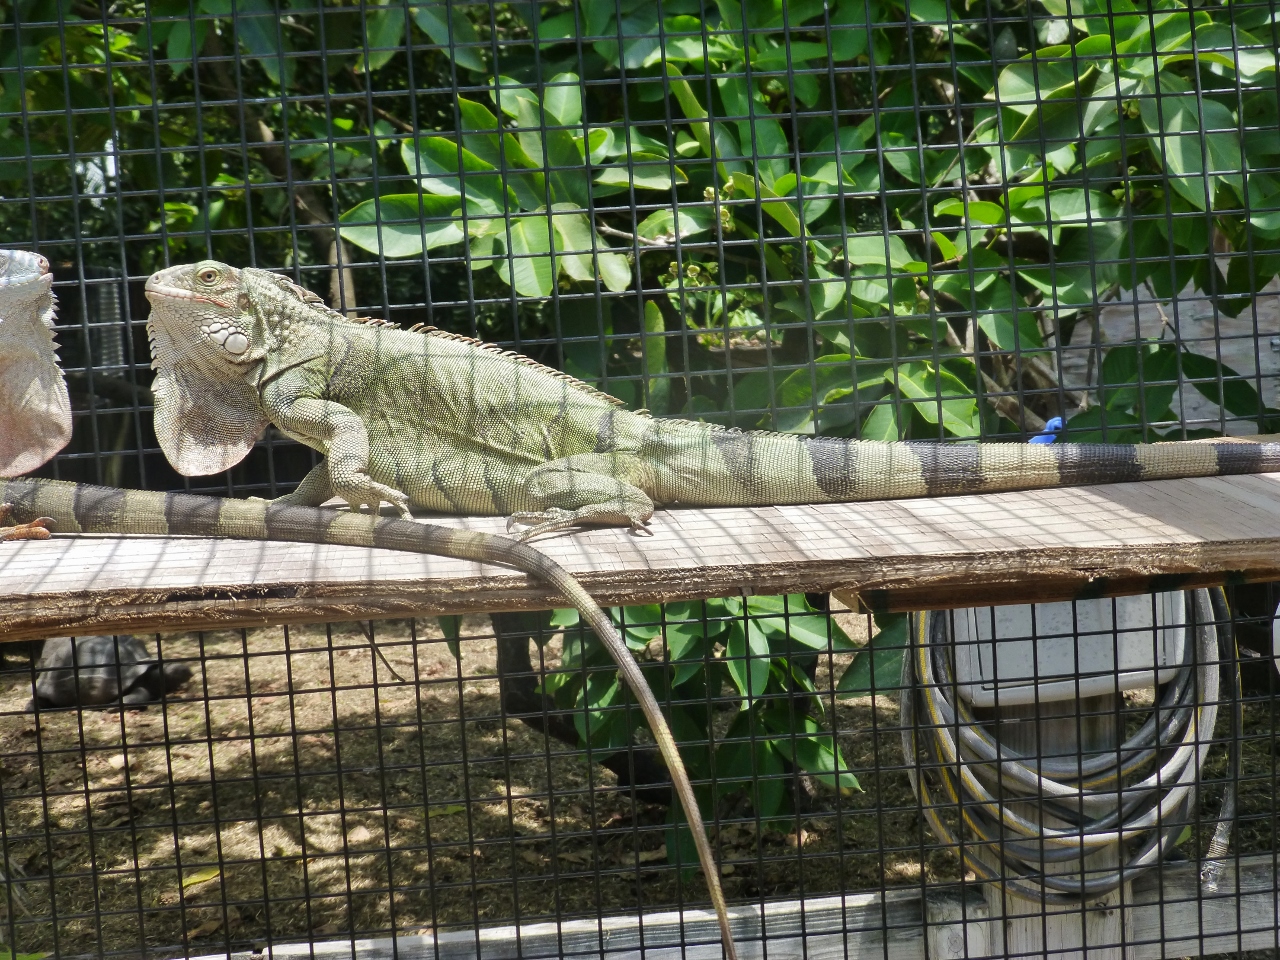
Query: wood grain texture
873	926
906	554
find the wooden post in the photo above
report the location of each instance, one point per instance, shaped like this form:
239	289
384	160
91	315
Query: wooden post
1062	730
1009	925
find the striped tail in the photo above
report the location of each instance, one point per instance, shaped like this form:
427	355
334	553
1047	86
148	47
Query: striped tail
861	470
704	465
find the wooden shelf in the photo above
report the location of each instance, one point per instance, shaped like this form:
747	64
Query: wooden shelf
899	555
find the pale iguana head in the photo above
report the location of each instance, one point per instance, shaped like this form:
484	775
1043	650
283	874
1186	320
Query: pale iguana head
35	411
211	327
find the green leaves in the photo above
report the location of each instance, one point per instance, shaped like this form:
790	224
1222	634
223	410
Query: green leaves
878	666
447	25
1198	142
406	224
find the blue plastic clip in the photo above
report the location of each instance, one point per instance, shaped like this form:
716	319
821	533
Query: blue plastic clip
1051	431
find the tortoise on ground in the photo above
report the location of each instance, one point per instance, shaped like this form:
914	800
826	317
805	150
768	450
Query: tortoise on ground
102	671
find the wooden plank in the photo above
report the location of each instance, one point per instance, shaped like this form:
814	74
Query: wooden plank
1166	917
898	555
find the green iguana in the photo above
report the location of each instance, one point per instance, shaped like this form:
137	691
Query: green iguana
34	421
447	423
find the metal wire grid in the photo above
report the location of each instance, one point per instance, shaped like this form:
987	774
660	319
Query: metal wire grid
108	212
345	783
187	139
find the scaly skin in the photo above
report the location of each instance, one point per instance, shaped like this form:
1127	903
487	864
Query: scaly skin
36	431
450	424
35	412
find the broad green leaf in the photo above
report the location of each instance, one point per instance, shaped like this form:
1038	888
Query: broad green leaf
881	424
562	98
780	209
508	94
976	211
938	395
383	35
556	151
654	353
1060	116
485	137
1184	137
435	161
1233	47
577	246
877	248
726	149
527	266
179	47
670	222
1237	396
878	666
747	657
1139	378
820	757
796	631
760	135
406	224
829	381
1099	424
448	26
596	724
646	171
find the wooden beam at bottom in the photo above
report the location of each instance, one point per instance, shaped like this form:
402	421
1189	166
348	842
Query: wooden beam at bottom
1042	545
1167	917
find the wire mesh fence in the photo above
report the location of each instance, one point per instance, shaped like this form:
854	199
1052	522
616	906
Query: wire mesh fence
889	220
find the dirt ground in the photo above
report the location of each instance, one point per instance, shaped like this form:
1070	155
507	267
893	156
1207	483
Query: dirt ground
250	808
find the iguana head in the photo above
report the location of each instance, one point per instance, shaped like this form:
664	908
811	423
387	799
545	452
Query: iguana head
35	411
200	313
208	337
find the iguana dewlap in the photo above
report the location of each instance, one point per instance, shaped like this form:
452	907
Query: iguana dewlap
446	423
35	411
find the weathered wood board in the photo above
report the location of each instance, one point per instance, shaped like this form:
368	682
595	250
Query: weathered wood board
1167	917
905	554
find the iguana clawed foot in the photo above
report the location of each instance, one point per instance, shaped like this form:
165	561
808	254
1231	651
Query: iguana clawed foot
373	495
554	519
37	529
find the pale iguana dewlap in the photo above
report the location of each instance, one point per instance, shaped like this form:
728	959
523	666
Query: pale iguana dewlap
446	423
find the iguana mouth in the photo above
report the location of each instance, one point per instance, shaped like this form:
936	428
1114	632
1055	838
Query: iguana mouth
154	289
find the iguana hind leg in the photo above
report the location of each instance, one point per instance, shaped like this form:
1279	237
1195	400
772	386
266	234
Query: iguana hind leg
37	529
583	489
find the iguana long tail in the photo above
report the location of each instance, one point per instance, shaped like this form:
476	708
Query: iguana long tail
83	508
705	466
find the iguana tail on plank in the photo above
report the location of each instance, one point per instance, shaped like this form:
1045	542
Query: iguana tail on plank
83	508
704	465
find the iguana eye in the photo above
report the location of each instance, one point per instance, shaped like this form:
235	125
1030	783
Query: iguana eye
208	275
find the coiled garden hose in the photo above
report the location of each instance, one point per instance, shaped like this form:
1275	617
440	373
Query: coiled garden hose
954	762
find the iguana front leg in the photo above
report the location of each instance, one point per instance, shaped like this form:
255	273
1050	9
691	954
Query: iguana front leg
590	488
339	433
37	529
